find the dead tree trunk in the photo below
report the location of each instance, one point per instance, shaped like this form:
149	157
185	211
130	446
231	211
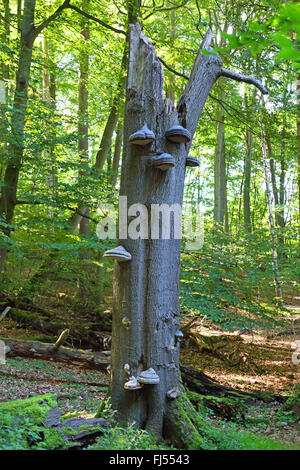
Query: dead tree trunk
146	302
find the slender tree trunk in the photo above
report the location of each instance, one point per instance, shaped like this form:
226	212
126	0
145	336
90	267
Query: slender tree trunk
83	129
247	169
220	203
247	182
271	219
49	95
4	77
279	195
83	135
11	176
298	138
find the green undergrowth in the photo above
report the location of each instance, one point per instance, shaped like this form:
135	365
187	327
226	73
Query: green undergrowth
22	424
128	438
196	428
228	437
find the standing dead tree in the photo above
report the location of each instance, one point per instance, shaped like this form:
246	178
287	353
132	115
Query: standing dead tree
146	315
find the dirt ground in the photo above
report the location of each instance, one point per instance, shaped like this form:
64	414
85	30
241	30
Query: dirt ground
266	365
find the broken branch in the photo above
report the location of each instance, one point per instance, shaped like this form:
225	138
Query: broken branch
243	78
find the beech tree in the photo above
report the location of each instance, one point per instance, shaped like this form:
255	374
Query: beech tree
29	33
146	316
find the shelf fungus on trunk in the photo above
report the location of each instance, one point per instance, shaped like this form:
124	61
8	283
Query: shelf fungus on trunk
126	323
192	161
178	134
119	253
178	337
148	377
179	334
142	137
173	393
133	384
163	162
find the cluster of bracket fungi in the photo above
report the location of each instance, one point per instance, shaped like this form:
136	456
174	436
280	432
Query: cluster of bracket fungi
176	134
146	377
144	136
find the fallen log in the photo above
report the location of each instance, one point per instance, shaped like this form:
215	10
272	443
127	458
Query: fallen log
39	350
201	383
194	380
87	336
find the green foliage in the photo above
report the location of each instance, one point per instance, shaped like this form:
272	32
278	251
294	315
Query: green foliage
228	437
229	280
279	32
21	424
129	438
225	435
292	405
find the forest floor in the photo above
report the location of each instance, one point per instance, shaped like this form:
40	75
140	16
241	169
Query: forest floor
268	367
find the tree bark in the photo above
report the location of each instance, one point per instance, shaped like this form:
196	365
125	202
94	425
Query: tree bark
4	77
271	219
146	289
49	95
11	176
220	204
83	134
298	141
247	171
279	195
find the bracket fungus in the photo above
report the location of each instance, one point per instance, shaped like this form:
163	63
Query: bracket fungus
173	393
126	323
132	384
148	377
178	134
192	161
119	253
142	137
179	334
163	162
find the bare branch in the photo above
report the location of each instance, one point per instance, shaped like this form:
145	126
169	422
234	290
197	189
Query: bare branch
172	70
158	10
97	20
47	21
243	78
